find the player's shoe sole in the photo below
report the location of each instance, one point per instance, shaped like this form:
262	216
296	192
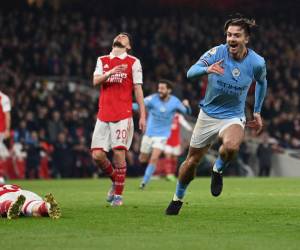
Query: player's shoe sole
174	207
54	210
117	201
110	194
216	185
16	207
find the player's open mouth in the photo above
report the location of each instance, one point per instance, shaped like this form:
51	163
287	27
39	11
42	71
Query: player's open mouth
233	46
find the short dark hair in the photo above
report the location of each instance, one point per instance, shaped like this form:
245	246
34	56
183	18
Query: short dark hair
239	20
169	84
129	38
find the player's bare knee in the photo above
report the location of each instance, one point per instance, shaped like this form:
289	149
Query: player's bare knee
193	161
98	155
231	147
153	160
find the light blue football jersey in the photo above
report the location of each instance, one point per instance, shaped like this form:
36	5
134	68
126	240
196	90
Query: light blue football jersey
161	114
226	94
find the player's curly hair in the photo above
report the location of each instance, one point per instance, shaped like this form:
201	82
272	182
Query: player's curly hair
169	84
239	20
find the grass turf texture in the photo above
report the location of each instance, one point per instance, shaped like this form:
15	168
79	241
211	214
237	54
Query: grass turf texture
250	214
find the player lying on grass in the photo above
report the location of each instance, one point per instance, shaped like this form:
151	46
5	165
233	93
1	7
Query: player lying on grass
15	201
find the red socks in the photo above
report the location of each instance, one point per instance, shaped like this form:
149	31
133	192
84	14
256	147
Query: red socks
120	178
108	169
43	210
4	206
170	166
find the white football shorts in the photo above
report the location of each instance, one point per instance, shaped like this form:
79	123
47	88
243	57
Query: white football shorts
112	135
173	150
207	129
148	143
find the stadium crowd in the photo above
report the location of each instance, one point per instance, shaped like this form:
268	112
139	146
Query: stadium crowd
48	57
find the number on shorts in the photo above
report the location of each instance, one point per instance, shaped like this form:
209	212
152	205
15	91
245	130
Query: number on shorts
121	134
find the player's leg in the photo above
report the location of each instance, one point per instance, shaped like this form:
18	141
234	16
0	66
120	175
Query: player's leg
156	152
145	150
11	205
204	133
186	174
121	138
119	160
35	206
232	137
53	209
99	146
169	165
145	153
171	160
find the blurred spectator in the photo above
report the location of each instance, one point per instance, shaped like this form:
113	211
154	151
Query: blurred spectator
47	58
62	157
33	159
264	153
55	126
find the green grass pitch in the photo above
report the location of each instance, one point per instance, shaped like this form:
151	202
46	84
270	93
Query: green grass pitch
250	214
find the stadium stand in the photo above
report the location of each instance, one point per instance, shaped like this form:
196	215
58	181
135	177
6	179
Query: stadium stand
48	54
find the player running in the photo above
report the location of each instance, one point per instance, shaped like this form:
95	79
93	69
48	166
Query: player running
231	68
161	108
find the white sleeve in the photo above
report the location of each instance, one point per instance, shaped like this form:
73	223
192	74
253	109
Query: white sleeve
5	102
184	123
98	69
137	72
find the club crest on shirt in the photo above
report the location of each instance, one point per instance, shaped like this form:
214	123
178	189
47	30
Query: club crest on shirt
236	72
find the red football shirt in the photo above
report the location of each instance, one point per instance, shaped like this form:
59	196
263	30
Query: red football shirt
8	188
4	107
115	101
174	139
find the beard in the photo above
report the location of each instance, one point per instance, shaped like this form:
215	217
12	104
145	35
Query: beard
118	44
163	96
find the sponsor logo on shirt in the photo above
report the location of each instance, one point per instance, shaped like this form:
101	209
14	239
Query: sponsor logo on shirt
117	78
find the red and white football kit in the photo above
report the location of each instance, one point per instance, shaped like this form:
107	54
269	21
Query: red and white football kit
114	126
5	107
173	143
10	193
